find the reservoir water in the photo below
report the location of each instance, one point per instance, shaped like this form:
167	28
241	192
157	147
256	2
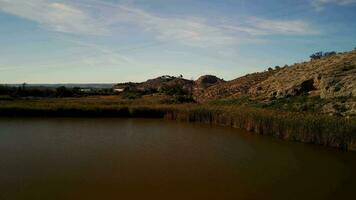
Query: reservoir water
157	159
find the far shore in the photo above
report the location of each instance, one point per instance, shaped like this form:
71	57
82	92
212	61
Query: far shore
311	128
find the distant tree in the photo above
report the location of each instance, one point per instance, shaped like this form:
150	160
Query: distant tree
24	86
270	69
180	76
285	66
329	53
316	55
63	92
7	90
277	67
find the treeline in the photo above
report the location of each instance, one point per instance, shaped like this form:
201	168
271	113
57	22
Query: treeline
320	54
27	91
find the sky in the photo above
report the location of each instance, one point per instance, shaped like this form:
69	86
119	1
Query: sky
111	41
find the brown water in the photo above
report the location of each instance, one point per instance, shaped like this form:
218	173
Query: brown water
155	159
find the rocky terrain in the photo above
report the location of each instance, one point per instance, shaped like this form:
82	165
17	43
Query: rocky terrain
232	89
327	85
328	77
331	78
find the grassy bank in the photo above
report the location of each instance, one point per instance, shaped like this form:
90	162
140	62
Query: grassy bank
301	127
293	126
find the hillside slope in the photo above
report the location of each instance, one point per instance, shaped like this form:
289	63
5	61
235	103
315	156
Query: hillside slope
235	88
331	79
328	77
326	85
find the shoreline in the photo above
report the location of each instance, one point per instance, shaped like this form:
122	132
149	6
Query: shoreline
298	127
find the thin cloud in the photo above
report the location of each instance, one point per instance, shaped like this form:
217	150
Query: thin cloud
58	17
101	18
198	32
280	27
320	4
186	30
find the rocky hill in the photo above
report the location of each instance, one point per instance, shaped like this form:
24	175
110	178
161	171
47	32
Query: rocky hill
157	83
229	89
166	80
327	84
331	78
328	77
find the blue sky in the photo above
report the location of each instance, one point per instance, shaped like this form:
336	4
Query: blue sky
105	41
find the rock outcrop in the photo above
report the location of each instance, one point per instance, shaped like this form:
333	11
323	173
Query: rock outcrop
330	77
